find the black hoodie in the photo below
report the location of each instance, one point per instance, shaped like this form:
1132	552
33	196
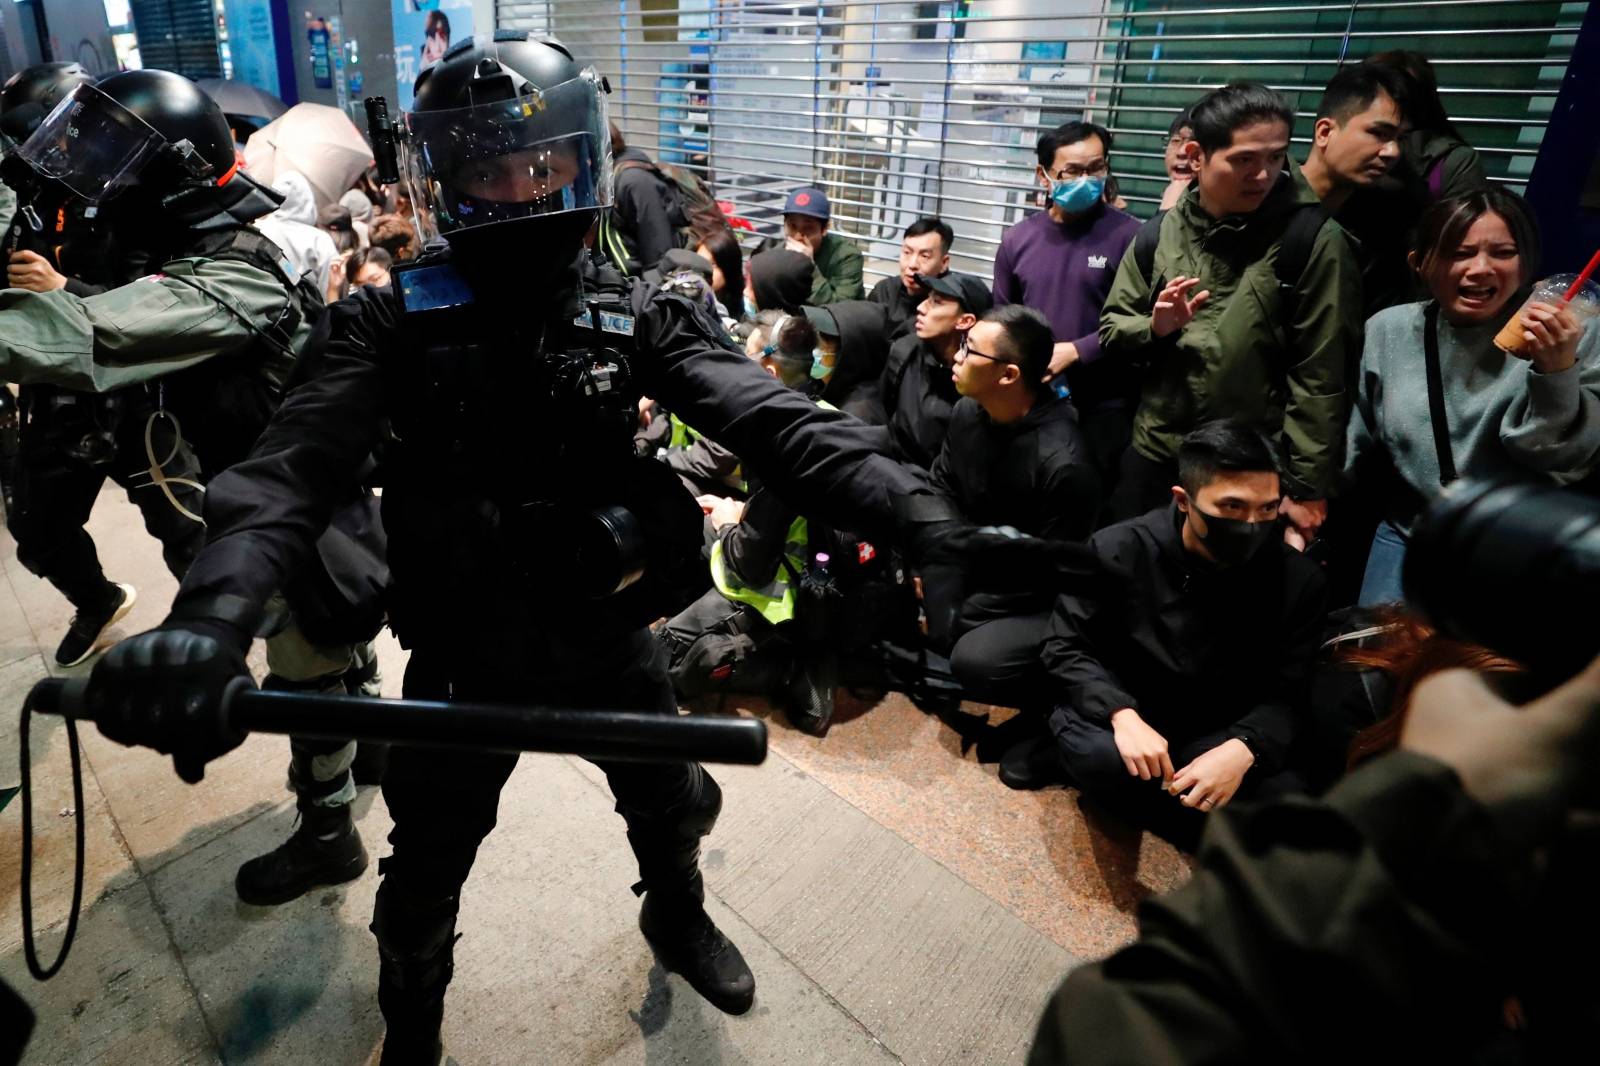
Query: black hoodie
781	280
863	331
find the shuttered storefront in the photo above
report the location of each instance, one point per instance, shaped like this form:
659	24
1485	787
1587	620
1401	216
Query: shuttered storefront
903	108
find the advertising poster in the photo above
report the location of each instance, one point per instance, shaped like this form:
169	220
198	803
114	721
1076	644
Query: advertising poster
252	44
321	54
423	31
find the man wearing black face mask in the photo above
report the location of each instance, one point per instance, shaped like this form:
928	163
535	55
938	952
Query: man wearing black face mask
1183	690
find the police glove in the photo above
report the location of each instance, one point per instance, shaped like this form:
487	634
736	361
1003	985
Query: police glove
166	688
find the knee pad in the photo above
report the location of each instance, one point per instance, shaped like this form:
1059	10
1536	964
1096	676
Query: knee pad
696	818
414	931
682	824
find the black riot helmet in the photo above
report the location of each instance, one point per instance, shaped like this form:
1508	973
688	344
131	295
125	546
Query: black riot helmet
150	132
507	146
31	94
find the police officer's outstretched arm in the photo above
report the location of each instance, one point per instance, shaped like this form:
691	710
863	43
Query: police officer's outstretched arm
193	310
820	461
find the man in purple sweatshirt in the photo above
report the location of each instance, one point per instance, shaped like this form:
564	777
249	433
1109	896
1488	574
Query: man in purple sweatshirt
1061	261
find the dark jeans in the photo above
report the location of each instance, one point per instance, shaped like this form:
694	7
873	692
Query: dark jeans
1107	432
55	494
998	661
1142	486
1089	752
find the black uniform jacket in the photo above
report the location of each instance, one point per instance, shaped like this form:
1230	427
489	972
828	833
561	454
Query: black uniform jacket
918	396
1194	648
863	348
1033	475
900	304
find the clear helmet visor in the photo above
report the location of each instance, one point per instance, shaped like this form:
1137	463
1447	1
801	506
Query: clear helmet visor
542	153
91	144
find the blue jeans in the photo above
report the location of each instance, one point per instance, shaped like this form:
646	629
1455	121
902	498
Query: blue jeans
1381	584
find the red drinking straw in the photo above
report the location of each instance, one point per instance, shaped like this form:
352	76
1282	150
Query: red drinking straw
1577	286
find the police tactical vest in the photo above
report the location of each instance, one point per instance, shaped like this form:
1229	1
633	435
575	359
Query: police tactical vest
511	462
224	403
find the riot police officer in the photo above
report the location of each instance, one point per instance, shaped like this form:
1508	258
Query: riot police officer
70	442
217	330
529	545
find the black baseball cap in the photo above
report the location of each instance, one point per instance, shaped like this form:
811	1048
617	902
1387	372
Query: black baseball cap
823	319
970	292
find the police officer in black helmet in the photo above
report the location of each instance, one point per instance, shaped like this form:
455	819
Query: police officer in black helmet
529	546
70	441
220	322
215	330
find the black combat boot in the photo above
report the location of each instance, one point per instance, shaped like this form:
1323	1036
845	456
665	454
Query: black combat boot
324	850
673	917
416	958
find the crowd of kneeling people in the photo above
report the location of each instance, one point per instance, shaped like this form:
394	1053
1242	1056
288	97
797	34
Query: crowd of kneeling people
1230	404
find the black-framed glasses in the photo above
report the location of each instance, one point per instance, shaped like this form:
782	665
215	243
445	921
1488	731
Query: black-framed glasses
1098	169
967	349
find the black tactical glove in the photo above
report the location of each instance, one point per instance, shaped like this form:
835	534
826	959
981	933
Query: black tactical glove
999	559
165	689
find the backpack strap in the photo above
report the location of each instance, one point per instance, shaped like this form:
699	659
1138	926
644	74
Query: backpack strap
1435	178
1299	238
1437	413
633	164
1144	250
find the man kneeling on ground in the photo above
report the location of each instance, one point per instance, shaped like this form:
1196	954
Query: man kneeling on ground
1184	691
1013	456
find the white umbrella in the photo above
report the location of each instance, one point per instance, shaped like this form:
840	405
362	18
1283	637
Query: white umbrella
311	139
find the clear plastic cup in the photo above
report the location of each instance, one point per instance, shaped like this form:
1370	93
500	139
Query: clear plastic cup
1585	304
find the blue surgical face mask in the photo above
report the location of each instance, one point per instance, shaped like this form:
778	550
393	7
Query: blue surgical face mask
820	370
1076	197
750	308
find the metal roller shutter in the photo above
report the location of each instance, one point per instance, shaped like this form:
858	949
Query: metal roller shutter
903	108
178	35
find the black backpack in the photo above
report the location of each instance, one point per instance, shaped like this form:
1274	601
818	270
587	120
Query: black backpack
1300	236
225	402
698	207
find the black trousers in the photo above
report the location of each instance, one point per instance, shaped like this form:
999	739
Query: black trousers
1107	432
55	494
445	802
1142	486
1089	753
998	660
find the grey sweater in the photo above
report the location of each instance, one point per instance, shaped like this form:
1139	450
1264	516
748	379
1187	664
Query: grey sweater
1506	419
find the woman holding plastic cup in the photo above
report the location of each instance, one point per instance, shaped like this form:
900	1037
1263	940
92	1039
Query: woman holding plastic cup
1489	377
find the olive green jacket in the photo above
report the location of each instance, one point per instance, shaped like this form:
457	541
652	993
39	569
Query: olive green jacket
1240	357
146	329
839	268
